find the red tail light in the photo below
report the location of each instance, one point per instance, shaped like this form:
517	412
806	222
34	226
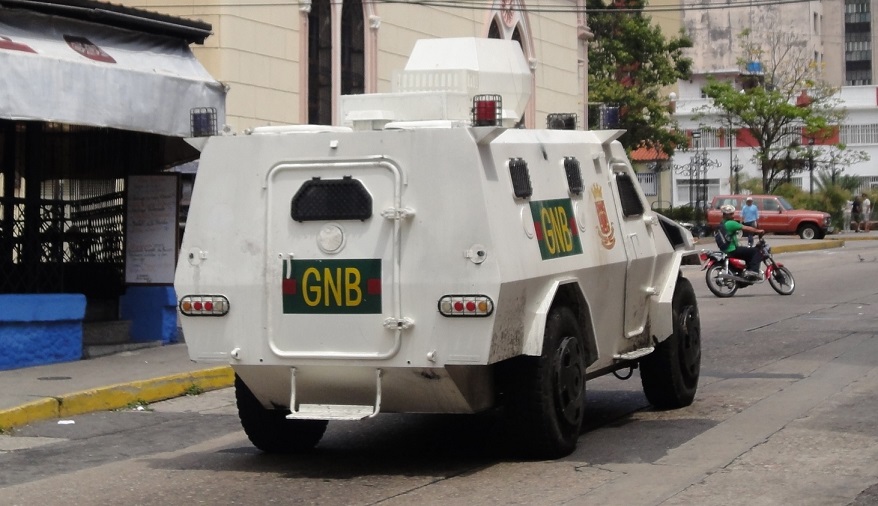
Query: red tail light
204	305
466	305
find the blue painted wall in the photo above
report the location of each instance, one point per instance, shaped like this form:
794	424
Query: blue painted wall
39	329
152	311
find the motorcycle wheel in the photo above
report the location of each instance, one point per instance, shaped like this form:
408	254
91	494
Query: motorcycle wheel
720	287
782	281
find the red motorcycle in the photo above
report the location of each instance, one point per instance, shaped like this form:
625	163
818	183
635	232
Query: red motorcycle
725	275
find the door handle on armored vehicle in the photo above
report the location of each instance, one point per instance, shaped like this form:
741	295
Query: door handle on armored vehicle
392	213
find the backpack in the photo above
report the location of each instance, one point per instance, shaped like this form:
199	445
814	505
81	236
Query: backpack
721	235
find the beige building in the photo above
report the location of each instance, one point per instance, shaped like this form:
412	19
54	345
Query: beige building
288	63
838	35
773	28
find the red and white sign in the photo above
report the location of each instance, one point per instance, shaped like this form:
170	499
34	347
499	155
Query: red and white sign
88	49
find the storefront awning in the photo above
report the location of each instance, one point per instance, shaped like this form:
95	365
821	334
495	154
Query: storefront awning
64	70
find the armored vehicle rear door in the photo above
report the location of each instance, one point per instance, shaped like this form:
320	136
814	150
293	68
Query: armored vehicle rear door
332	244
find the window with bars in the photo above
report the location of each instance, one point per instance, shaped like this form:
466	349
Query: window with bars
688	190
868	184
648	183
859	134
62	223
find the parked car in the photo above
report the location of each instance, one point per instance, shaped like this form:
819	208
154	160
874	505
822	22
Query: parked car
776	216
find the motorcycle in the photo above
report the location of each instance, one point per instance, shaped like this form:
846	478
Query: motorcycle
725	275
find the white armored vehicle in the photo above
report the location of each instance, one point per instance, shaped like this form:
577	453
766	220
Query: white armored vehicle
428	257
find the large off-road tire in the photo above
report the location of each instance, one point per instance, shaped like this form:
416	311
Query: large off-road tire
544	397
719	287
669	375
269	430
782	281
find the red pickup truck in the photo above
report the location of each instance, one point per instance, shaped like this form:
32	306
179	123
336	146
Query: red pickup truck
776	216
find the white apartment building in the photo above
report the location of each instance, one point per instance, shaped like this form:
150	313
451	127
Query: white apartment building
837	35
859	132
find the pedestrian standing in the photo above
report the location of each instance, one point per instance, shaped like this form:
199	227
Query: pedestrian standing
750	217
856	212
846	216
867	212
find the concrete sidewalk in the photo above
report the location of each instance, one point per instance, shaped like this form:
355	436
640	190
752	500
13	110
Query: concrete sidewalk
115	381
154	374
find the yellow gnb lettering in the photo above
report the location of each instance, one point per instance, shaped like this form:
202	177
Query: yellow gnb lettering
566	238
354	292
549	230
338	288
556	230
332	285
308	289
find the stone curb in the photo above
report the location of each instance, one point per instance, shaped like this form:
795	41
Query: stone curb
811	246
118	396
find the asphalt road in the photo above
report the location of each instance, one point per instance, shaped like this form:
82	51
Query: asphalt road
784	415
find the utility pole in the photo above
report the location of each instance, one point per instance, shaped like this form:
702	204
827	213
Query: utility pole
811	164
736	168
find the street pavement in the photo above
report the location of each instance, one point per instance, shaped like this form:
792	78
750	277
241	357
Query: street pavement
154	374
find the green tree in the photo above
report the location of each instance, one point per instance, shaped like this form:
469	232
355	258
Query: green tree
630	64
784	102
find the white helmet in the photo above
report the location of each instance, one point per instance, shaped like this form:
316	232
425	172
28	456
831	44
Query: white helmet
727	209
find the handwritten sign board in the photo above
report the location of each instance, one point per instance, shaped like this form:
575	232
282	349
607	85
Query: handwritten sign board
151	237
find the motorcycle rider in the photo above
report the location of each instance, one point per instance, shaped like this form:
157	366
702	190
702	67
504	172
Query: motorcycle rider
748	254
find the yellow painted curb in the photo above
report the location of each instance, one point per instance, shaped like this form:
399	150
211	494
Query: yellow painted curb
849	237
151	390
118	396
810	246
34	411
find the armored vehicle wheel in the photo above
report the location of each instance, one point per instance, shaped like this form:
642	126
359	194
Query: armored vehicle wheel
269	430
718	286
545	395
669	375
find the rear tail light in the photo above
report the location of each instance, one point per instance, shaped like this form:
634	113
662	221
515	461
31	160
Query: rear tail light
466	305
204	305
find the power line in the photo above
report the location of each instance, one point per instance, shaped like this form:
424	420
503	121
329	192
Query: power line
489	4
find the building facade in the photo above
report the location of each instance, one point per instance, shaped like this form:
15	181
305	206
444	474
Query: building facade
290	63
836	36
717	160
97	99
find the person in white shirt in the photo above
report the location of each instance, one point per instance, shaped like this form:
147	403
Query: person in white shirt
867	212
846	216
